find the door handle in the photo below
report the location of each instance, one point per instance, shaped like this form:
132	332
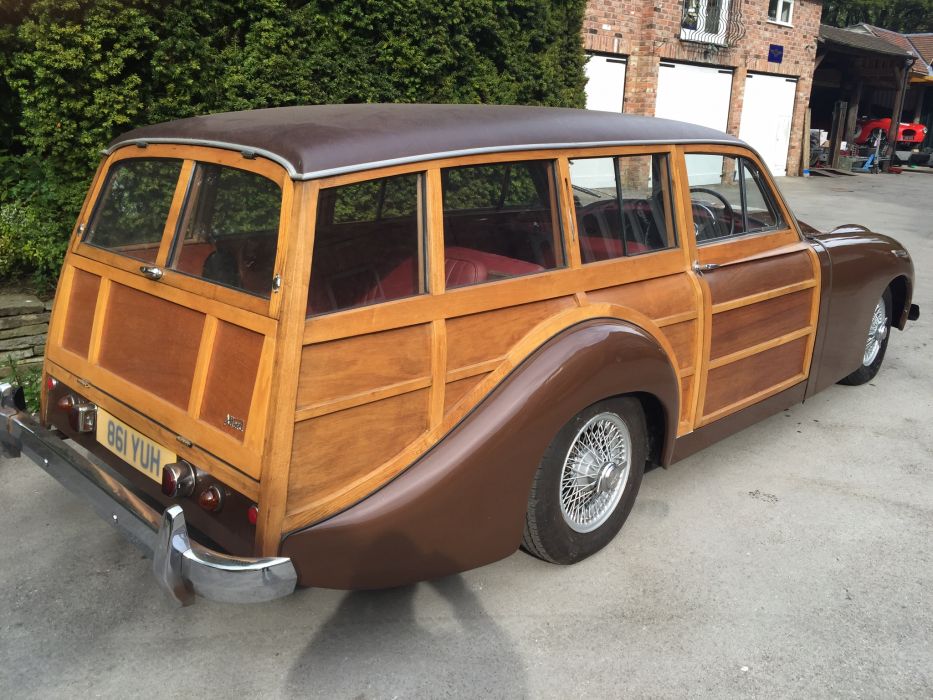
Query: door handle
697	267
152	272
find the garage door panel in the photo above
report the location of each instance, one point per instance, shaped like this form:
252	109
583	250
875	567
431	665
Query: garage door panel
605	84
767	114
695	94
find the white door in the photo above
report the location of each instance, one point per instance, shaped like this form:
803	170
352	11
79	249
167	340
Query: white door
767	113
699	95
605	83
695	94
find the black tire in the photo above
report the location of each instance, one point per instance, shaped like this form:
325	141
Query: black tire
547	534
866	372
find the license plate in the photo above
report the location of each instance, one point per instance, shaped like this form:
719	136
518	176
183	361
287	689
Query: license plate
132	447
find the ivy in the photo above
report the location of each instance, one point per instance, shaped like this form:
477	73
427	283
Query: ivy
76	73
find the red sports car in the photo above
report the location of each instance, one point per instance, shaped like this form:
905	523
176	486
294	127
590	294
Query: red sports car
907	133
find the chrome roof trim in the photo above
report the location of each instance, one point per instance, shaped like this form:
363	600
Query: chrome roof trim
372	165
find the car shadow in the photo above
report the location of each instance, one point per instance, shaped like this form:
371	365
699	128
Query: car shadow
424	640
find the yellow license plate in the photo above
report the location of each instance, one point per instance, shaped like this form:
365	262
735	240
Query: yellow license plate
132	447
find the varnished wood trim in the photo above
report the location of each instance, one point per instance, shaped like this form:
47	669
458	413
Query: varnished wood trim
262	393
754	398
814	309
686	372
150	426
174	211
569	214
280	428
352	492
763	296
437	278
580	298
100	320
361	398
675	318
495	295
203	363
761	347
204	154
755	246
60	306
438	372
197	302
468	371
281	250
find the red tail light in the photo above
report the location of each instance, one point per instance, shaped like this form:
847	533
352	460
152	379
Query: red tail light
178	479
211	499
252	514
50	382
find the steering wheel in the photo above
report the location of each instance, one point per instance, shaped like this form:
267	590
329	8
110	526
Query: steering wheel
727	210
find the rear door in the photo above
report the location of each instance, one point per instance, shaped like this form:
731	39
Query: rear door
166	309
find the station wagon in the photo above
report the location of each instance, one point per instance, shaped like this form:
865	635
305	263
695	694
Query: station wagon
358	346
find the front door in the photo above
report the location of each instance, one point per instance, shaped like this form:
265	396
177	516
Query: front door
759	282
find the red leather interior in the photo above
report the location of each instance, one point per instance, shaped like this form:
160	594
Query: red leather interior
192	257
598	248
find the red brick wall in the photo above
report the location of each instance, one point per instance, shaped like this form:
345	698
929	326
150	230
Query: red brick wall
648	32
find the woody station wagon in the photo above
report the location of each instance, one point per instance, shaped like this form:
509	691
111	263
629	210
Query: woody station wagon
360	346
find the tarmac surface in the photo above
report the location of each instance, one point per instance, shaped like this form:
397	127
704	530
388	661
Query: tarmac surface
793	559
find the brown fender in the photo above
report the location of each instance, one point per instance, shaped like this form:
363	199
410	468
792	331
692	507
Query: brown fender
857	266
462	505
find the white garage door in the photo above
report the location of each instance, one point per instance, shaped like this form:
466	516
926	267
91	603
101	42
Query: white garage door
605	83
767	113
695	94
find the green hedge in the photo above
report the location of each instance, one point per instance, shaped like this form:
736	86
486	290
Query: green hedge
76	73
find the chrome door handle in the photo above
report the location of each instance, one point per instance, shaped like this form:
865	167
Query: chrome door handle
697	267
152	272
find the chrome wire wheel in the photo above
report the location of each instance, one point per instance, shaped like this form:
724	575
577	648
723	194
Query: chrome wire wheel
595	472
877	330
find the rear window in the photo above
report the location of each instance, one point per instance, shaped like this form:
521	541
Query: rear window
131	211
228	233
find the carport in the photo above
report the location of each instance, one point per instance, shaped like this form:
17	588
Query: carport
853	73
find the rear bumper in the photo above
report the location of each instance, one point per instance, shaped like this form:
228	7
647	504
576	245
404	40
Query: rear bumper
183	568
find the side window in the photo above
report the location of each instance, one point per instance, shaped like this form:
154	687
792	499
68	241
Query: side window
501	220
367	244
133	205
623	205
229	229
728	197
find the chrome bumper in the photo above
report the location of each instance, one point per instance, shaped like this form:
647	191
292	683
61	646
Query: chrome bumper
183	569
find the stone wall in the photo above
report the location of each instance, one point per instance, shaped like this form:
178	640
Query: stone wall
24	324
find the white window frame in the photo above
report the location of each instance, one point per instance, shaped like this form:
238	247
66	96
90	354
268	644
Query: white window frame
779	6
700	33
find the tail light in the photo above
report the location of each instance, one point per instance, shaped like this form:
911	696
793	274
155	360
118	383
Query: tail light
211	499
178	479
252	514
50	382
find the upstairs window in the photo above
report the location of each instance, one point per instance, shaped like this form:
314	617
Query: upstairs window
704	21
781	11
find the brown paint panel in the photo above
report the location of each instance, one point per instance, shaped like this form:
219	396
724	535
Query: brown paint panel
455	391
484	336
755	276
151	342
750	325
231	377
682	337
345	367
656	298
77	331
332	451
738	380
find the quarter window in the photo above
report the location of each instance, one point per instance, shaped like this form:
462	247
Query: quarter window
229	230
623	205
133	206
501	220
729	197
367	244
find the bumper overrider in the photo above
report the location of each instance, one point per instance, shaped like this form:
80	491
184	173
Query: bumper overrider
183	568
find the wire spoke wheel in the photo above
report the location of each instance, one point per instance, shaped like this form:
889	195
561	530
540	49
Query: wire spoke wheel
877	331
595	472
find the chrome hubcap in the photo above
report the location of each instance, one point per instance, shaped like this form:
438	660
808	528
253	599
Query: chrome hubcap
595	472
877	331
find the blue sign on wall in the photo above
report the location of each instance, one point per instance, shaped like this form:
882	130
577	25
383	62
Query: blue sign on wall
775	53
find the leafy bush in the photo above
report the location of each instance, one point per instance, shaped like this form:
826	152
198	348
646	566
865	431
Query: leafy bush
30	378
76	73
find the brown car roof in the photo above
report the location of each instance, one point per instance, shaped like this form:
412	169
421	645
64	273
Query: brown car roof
323	140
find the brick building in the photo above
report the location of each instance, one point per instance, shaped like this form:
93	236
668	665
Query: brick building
742	66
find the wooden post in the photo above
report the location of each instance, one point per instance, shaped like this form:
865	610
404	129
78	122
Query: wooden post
805	146
902	75
835	139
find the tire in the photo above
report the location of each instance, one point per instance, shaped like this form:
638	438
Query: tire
874	348
583	491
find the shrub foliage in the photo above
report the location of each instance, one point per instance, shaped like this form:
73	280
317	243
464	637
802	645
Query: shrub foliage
76	73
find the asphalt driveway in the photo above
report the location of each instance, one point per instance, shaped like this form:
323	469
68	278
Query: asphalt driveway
793	559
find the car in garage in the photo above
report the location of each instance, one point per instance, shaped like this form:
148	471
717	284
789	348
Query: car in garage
357	346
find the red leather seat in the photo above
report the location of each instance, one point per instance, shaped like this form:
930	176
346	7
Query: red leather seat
600	248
